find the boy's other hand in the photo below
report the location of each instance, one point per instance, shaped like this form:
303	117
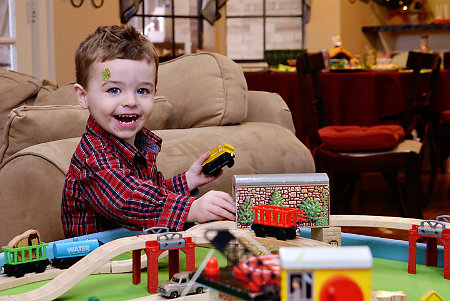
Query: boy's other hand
195	177
213	205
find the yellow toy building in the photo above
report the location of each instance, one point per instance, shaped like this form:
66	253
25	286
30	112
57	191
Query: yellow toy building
326	274
431	295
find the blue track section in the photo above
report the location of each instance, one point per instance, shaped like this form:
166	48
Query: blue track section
384	247
104	237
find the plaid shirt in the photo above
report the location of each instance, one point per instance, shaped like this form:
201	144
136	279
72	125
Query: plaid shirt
112	184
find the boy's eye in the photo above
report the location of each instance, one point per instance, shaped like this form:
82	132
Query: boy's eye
114	90
143	91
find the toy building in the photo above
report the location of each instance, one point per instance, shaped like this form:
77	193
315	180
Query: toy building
313	274
309	192
431	295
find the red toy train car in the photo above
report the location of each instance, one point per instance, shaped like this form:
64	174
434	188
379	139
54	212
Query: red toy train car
277	221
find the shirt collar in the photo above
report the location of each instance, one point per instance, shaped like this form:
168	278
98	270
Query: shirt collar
145	141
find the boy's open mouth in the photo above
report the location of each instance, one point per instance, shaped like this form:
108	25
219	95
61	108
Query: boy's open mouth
126	118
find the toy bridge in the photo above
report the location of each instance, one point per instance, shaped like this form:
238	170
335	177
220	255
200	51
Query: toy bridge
172	242
431	230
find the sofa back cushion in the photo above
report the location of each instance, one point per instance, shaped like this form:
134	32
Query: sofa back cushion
205	89
17	89
63	96
30	125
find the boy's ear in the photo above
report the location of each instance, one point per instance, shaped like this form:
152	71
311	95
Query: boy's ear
81	95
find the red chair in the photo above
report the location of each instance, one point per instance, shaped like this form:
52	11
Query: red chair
345	152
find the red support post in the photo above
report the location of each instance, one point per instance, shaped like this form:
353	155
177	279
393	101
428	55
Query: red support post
412	249
152	250
446	242
136	266
190	254
431	254
174	262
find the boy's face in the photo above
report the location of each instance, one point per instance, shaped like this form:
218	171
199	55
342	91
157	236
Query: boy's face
119	95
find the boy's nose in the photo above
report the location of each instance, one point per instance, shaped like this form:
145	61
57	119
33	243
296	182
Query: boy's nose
129	101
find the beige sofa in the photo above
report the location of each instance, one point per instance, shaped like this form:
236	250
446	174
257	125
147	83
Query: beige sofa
202	102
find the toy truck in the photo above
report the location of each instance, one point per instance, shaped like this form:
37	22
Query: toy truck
177	284
220	156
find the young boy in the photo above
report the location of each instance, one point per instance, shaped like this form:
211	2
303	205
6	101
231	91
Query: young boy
113	180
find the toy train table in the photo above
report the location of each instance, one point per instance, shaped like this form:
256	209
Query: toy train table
389	270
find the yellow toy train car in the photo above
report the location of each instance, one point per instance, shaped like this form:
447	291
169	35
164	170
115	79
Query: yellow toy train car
325	274
220	156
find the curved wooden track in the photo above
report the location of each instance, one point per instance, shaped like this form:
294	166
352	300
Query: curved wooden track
390	222
102	255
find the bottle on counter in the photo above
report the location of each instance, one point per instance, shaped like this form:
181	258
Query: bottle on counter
326	58
424	44
370	58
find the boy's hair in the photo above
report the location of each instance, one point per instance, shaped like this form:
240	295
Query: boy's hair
113	42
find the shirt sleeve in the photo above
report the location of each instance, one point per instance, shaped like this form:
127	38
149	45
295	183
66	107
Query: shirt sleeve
115	193
178	184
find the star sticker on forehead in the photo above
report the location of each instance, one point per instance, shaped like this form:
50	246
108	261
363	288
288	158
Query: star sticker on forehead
106	74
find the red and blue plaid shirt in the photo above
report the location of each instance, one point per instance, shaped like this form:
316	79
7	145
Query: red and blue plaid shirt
112	184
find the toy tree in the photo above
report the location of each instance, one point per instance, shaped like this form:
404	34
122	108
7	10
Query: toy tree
312	208
246	215
276	199
325	199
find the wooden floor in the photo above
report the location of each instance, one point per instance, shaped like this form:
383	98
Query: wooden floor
374	198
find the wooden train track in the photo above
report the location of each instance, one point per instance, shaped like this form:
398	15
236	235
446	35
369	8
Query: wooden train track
99	260
373	221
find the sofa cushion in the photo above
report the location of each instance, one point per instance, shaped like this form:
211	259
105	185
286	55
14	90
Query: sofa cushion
18	89
269	107
206	89
63	96
162	109
361	138
29	125
444	117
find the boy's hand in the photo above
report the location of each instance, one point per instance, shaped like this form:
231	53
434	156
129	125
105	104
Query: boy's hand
214	205
195	177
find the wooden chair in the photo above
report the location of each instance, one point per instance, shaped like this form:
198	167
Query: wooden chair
443	127
345	152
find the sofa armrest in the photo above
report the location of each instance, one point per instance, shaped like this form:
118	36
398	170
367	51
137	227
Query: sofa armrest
32	181
269	107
